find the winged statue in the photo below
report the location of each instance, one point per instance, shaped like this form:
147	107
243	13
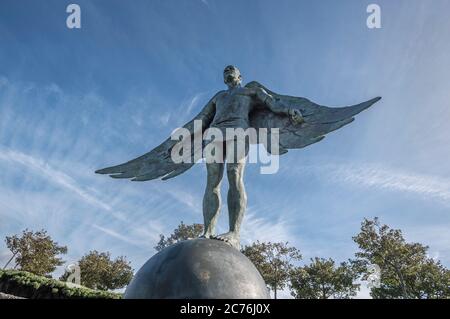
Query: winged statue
297	121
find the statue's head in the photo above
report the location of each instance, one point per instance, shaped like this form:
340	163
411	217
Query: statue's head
232	76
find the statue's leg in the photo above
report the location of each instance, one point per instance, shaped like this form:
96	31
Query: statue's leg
211	199
236	199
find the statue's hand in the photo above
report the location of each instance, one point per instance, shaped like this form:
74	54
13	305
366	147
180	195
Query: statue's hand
296	116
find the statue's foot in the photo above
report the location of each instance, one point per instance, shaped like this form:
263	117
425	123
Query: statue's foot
205	235
230	238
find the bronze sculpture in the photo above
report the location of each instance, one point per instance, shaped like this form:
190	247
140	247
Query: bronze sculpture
298	121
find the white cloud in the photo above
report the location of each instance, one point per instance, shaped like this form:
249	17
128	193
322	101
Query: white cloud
259	228
165	118
36	207
115	234
52	175
381	177
193	103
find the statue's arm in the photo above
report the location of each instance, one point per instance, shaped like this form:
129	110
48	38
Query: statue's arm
277	107
269	101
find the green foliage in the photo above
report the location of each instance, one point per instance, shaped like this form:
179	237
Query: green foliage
323	280
274	262
35	252
28	285
406	271
182	232
99	271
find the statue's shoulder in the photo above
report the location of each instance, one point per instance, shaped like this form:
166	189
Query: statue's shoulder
218	95
250	90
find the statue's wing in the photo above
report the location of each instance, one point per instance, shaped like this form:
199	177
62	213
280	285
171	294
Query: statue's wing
318	119
158	162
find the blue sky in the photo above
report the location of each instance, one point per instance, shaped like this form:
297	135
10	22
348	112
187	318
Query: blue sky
73	101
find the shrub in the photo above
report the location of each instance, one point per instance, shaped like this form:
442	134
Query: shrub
28	285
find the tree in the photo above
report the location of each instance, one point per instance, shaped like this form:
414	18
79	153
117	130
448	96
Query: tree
35	252
274	262
99	271
182	232
323	280
406	271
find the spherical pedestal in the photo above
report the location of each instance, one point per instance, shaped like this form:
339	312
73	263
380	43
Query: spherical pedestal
198	269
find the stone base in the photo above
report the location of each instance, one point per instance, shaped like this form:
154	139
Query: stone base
198	269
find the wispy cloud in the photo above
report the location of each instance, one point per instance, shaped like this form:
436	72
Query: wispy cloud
387	178
89	196
52	175
258	228
165	118
185	111
193	103
381	177
115	234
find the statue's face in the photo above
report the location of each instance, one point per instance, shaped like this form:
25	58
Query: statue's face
231	75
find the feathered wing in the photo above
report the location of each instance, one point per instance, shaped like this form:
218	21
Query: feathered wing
158	162
319	120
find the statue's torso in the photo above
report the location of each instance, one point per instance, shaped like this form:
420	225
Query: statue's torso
233	108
